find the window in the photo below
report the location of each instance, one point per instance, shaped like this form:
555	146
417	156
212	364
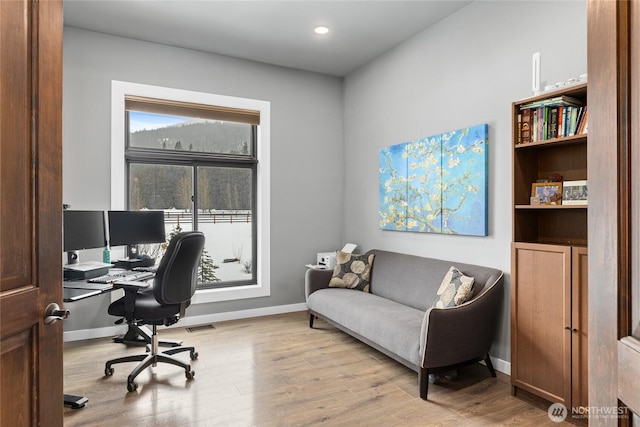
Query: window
205	165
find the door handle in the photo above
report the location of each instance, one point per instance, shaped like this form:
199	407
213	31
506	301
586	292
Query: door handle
53	313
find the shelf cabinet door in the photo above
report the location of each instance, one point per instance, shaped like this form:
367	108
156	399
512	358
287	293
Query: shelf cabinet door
579	325
541	320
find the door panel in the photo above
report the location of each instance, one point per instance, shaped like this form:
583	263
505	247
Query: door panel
580	328
15	47
540	319
629	360
31	202
629	345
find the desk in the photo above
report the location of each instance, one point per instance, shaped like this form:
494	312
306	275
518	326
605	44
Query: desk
73	294
73	290
136	334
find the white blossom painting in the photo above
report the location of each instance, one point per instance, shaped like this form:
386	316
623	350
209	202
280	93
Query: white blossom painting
436	184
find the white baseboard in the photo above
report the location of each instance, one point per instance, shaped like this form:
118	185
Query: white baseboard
86	334
501	365
243	314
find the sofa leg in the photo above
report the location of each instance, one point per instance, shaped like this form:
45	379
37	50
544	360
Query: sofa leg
487	361
423	380
311	318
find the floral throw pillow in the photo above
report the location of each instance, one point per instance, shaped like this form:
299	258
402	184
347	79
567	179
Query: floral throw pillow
455	289
352	271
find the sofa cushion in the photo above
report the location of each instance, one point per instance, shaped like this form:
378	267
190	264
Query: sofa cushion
352	271
390	325
412	280
407	279
455	289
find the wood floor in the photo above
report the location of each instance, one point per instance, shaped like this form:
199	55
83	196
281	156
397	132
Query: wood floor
276	371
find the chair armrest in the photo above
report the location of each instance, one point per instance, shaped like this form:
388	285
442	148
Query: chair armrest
130	291
458	334
130	285
315	279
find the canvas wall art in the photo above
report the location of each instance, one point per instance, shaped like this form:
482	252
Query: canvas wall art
436	184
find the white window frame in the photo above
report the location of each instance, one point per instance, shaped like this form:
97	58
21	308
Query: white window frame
119	90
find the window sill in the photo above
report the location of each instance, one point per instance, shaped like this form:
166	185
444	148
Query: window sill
205	296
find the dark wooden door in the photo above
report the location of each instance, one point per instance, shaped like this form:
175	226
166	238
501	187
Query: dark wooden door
614	208
629	344
30	222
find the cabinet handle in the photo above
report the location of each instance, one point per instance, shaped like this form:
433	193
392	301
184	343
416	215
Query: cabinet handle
567	328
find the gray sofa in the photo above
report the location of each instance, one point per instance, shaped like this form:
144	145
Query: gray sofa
396	317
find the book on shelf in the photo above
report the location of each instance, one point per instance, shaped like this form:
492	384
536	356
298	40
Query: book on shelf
554	102
525	126
550	122
553	122
582	127
579	120
561	116
572	121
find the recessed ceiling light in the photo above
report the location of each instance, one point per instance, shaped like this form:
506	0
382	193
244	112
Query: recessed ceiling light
321	30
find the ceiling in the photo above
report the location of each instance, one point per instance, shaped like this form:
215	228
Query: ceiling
273	32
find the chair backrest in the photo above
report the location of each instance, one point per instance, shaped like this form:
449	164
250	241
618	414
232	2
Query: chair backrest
176	278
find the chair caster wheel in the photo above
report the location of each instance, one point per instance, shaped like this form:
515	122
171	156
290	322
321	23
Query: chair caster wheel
194	355
132	386
190	374
108	371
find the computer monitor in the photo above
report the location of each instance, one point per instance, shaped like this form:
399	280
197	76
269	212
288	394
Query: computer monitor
82	230
132	228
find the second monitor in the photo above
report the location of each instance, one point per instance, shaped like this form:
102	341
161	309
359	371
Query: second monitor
133	228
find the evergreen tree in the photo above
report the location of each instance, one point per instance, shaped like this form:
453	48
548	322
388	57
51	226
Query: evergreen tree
206	266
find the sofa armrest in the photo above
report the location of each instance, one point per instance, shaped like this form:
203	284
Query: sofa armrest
459	334
315	279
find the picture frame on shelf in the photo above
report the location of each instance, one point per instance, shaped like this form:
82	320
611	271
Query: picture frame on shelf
549	193
575	192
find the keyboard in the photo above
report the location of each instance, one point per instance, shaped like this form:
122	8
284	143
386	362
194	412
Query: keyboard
131	276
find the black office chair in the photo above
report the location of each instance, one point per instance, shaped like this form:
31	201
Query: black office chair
164	304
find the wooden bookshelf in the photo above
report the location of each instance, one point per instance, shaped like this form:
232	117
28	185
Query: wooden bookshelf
554	142
544	159
549	274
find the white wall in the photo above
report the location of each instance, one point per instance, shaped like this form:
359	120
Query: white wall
306	147
463	71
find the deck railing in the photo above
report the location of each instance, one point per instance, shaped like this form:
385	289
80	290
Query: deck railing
215	217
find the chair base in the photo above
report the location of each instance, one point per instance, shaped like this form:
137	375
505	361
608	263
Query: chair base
141	335
152	359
